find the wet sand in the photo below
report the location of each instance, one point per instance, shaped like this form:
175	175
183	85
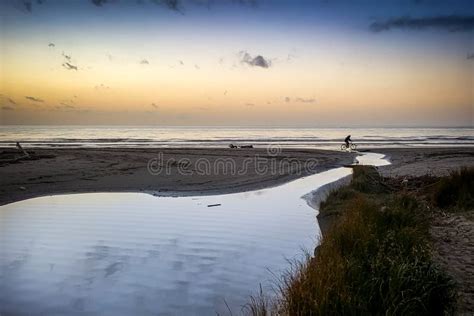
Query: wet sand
184	171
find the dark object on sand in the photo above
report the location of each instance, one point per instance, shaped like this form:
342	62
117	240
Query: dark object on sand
25	154
243	146
10	156
212	205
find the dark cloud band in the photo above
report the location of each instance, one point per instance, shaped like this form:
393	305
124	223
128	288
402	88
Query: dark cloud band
451	23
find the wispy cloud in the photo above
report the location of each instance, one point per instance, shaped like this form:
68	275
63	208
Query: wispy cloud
67	106
303	100
451	23
70	101
6	99
144	62
470	56
69	66
68	57
300	100
290	57
257	61
51	45
33	99
174	5
101	87
99	3
179	5
153	105
8	108
63	107
28	4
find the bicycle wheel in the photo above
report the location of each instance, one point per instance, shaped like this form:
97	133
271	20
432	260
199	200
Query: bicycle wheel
343	147
353	146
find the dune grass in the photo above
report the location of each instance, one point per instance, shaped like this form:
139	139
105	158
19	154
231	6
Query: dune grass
375	260
456	192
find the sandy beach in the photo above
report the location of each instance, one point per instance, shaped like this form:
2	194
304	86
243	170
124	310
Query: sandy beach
415	162
59	171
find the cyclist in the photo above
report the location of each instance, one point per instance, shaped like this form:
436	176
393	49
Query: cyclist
347	140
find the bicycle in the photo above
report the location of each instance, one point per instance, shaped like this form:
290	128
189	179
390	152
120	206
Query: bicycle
352	146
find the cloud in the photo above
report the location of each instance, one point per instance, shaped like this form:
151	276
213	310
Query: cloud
178	6
101	87
181	62
67	102
247	2
451	23
257	61
144	62
68	57
99	3
470	56
174	5
303	100
33	99
290	57
28	6
8	99
8	108
51	45
249	104
154	106
66	106
69	66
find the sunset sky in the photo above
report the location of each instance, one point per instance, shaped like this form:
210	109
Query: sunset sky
250	63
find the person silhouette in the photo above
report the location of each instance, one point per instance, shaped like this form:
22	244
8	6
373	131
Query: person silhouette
347	140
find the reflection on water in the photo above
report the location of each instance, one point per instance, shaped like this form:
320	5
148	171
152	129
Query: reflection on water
135	254
372	159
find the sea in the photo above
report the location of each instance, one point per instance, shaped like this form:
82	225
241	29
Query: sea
204	136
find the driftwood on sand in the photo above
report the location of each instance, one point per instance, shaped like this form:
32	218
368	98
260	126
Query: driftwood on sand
242	146
19	154
25	154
